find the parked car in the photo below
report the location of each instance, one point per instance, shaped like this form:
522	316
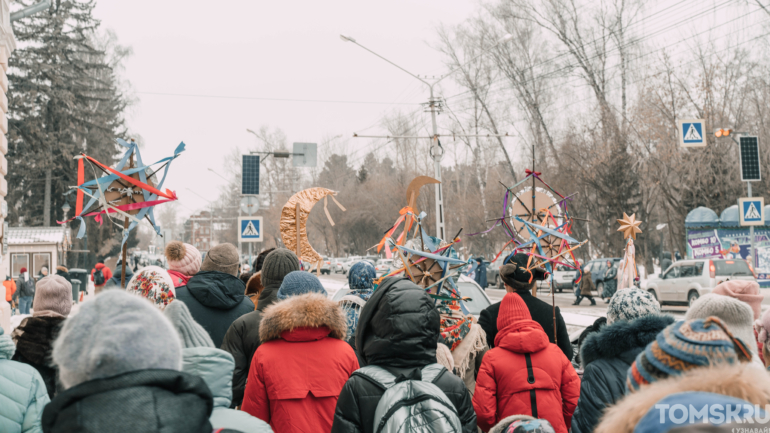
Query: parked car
383	266
350	261
687	280
493	272
326	266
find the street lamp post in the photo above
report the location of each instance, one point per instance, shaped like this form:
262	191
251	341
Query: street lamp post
660	228
436	151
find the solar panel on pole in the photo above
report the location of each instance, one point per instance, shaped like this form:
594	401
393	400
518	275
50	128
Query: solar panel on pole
250	175
750	159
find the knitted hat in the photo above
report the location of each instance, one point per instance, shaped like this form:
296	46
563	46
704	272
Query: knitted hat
277	265
183	258
22	270
361	276
683	346
190	332
512	310
744	290
222	258
763	328
514	272
259	262
631	303
299	283
530	426
154	284
736	315
113	334
53	293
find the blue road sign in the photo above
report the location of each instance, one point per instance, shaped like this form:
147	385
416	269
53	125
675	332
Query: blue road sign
250	229
692	133
752	211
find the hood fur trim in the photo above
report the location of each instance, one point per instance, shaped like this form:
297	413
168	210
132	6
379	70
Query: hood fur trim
311	310
62	268
745	381
613	340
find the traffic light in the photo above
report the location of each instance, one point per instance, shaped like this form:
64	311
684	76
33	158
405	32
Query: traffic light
722	132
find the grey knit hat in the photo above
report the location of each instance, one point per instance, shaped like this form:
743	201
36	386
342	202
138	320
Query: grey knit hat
631	303
113	334
277	265
53	293
299	283
736	314
222	258
190	332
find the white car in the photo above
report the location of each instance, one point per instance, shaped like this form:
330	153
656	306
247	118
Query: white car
687	280
383	266
344	267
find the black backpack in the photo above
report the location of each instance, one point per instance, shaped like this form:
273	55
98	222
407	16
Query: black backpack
98	278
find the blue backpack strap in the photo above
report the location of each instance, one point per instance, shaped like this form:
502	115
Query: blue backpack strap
378	375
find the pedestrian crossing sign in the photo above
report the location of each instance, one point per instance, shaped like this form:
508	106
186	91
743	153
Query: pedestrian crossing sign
692	133
752	211
250	229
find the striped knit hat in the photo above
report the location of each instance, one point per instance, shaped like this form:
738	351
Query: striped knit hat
684	346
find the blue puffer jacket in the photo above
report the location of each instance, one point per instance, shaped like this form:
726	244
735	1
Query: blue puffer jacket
215	367
22	392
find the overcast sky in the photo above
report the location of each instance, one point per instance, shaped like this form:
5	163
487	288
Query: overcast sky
261	49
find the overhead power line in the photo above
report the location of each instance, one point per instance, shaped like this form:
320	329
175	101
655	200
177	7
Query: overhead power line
257	98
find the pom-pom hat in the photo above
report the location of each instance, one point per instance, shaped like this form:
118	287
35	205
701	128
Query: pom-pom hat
183	258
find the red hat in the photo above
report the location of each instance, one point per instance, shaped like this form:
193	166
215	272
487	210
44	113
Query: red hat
22	270
512	310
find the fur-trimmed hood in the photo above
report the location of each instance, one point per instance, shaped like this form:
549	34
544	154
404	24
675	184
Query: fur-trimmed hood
745	381
311	310
614	340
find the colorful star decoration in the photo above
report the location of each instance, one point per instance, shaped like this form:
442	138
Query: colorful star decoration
629	226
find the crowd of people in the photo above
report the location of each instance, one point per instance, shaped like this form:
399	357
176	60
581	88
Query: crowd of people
199	347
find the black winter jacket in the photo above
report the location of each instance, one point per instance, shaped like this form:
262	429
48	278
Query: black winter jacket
215	300
242	340
398	330
607	355
541	312
25	288
34	338
147	401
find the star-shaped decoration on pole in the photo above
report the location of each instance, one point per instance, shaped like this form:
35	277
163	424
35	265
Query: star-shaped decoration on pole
629	226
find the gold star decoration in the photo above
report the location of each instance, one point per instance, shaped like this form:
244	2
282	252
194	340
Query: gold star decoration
629	226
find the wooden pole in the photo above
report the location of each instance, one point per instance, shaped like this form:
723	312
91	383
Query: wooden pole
534	217
125	244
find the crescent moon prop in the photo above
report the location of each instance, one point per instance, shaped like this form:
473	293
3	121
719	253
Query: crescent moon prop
293	223
413	190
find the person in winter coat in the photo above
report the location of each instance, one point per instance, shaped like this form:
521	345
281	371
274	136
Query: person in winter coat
254	287
299	370
743	381
398	330
242	339
120	362
587	287
215	367
154	284
22	392
25	291
633	321
260	260
762	328
517	279
666	262
106	274
35	335
610	281
10	288
736	315
524	373
114	282
215	295
746	291
480	277
361	283
184	261
64	273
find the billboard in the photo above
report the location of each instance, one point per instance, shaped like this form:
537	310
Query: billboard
733	243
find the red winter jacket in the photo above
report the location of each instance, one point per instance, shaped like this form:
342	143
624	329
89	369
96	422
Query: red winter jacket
502	387
105	271
298	371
